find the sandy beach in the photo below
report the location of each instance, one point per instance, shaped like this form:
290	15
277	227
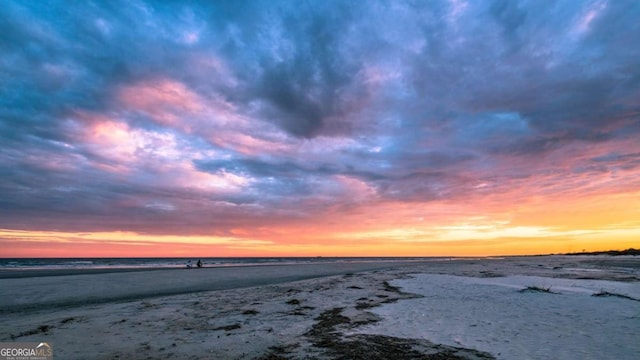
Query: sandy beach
568	307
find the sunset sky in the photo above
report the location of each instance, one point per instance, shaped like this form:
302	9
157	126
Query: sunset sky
318	128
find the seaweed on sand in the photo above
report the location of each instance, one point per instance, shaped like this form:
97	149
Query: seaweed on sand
603	293
538	289
378	347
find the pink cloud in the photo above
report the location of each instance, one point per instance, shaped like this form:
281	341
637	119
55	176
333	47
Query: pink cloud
162	99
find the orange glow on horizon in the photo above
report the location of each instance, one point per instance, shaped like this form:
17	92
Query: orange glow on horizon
537	226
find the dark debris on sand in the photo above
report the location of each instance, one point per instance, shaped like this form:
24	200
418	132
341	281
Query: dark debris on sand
327	340
537	289
42	329
603	293
378	347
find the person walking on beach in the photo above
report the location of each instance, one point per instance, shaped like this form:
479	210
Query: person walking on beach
199	264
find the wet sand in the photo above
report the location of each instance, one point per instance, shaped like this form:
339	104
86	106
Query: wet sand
83	287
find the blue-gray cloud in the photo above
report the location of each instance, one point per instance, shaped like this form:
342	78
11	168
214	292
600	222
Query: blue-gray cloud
426	99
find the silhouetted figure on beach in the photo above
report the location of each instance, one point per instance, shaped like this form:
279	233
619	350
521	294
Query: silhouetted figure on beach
199	264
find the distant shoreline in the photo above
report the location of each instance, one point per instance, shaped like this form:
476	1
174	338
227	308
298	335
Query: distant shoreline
31	273
44	269
631	251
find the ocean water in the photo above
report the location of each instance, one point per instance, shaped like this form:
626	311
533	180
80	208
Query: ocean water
142	263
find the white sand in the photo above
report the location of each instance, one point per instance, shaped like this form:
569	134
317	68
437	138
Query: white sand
492	315
253	313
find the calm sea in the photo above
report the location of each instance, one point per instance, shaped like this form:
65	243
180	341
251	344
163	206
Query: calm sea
141	263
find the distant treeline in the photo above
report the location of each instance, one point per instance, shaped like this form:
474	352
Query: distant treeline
610	252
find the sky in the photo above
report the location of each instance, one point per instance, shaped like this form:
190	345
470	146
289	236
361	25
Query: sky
318	128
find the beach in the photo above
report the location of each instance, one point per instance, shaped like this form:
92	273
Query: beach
569	307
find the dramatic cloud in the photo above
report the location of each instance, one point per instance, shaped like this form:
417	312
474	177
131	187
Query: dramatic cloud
259	121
